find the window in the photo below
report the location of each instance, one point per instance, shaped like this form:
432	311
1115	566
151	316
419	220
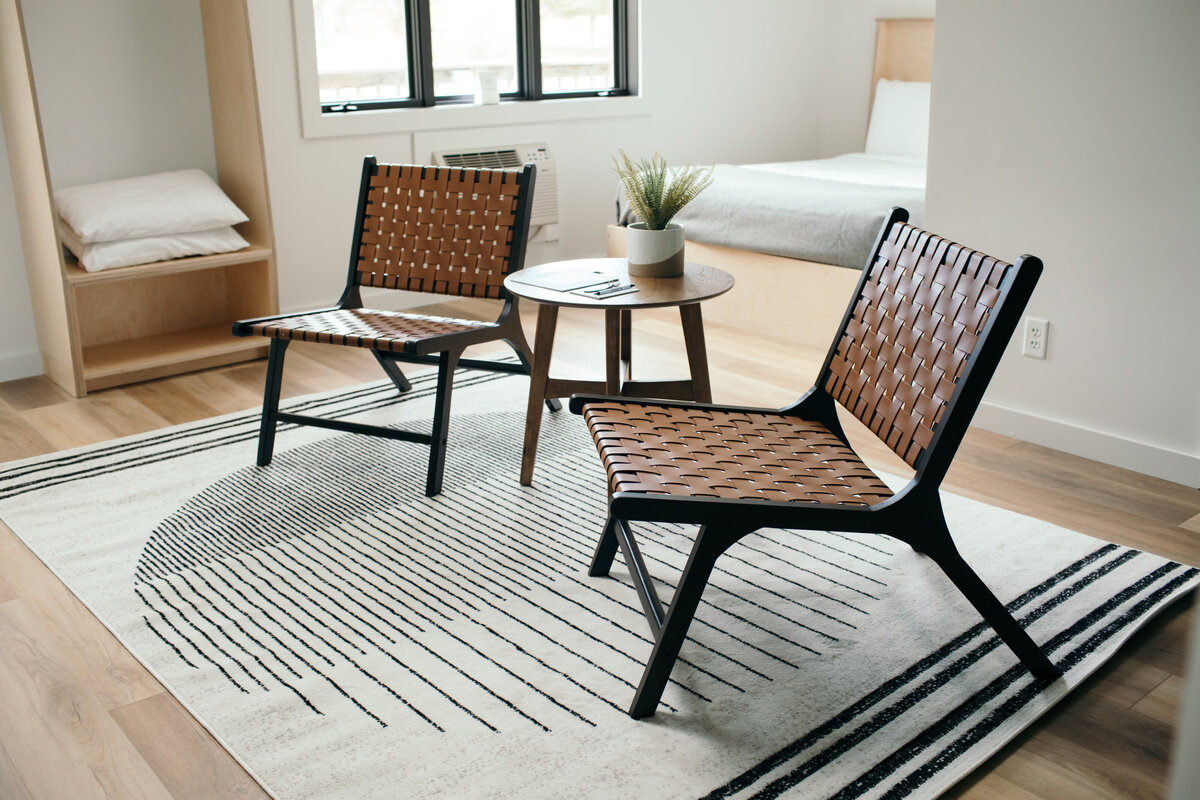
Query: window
376	54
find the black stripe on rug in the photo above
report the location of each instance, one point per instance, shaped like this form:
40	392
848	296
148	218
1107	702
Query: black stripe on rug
249	420
1023	697
912	674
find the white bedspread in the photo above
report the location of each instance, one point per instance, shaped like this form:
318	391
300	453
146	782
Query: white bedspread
855	168
827	210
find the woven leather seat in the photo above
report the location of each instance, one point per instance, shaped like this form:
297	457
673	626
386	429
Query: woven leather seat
390	331
730	454
437	230
917	346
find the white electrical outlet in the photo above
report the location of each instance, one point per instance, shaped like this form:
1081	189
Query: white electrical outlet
1037	334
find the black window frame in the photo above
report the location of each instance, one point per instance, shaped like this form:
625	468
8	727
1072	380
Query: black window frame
529	58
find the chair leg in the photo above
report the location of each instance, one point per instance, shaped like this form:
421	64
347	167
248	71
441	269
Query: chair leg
441	421
606	550
936	543
393	371
266	431
709	545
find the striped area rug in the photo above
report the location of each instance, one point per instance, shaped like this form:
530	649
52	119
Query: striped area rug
346	637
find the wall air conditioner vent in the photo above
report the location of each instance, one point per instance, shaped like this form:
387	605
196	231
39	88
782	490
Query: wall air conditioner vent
545	190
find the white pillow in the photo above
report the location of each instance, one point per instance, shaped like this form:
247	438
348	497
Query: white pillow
153	205
899	120
128	252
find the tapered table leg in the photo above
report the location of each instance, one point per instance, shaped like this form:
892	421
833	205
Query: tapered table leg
697	354
612	351
534	283
543	347
627	342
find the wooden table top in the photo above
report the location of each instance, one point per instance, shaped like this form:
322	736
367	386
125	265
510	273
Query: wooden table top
698	282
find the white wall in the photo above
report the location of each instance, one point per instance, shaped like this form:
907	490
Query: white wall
122	88
1069	132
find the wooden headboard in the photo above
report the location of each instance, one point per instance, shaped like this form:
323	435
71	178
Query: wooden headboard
903	51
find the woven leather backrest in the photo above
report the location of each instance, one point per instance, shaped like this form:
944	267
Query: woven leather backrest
442	230
911	330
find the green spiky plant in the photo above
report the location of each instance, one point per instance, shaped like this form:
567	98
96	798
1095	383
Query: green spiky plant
656	193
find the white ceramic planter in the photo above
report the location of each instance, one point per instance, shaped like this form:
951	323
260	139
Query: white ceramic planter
654	254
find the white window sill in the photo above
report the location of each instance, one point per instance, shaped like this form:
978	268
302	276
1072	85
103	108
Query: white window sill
402	120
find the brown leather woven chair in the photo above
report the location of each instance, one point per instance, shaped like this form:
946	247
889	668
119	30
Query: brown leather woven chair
437	230
917	346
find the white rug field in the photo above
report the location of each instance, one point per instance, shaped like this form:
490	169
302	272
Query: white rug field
344	636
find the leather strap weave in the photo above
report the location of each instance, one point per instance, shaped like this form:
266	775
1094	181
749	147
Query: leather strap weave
913	328
728	454
358	327
441	230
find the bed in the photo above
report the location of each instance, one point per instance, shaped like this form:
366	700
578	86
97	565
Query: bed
796	234
827	210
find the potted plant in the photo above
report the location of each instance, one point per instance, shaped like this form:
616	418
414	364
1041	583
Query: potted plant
654	246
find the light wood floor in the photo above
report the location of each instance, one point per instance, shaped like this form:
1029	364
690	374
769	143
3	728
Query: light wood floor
80	718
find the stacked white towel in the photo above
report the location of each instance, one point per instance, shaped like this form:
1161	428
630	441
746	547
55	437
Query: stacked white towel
146	219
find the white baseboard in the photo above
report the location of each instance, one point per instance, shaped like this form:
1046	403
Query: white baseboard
14	366
1148	459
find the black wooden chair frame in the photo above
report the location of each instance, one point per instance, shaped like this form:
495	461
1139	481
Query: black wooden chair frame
913	515
445	351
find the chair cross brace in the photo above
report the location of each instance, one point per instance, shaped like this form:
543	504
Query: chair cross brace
642	582
474	363
353	427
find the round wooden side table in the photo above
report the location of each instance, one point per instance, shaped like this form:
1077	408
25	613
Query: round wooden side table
687	291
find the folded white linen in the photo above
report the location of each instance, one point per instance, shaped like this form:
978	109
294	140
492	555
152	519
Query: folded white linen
99	256
163	204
